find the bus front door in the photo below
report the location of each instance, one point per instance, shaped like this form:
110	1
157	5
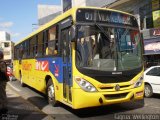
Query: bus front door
66	55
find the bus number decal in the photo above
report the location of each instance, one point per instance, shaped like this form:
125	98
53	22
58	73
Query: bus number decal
42	65
88	16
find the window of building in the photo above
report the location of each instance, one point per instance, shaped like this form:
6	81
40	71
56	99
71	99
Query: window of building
6	44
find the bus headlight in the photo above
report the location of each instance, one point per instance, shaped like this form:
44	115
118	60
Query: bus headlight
139	82
85	85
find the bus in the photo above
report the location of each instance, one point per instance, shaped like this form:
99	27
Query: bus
85	57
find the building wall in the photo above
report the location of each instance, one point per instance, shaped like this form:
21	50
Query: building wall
7	48
131	6
48	18
76	3
99	3
4	36
48	12
82	3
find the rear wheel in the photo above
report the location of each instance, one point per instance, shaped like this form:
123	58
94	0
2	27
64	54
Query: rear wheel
148	91
51	93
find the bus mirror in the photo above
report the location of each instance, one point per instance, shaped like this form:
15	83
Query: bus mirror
72	34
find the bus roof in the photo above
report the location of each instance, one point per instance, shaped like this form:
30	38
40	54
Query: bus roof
71	12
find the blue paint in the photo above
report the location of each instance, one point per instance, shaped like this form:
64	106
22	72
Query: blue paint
53	63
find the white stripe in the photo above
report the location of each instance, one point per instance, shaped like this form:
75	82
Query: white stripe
14	87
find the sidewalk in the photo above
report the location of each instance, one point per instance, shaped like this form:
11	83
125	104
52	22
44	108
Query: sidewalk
21	109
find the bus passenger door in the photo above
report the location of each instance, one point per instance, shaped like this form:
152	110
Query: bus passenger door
66	55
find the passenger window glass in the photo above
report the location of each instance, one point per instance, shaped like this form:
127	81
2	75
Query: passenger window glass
52	48
33	47
40	44
21	51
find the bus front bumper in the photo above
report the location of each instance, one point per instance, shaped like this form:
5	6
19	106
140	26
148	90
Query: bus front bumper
90	99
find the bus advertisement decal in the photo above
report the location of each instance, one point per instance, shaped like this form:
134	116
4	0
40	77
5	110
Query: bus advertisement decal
26	66
42	65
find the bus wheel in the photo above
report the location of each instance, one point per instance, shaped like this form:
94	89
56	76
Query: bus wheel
148	91
21	80
51	93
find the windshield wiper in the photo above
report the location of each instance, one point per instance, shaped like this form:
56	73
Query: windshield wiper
102	30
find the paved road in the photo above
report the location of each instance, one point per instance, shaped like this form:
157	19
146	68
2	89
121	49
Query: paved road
125	111
21	109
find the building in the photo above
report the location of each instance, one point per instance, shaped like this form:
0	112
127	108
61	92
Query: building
48	12
67	4
4	36
6	45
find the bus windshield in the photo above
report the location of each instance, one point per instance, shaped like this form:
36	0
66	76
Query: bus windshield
106	48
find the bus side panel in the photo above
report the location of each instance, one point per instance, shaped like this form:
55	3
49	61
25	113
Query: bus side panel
16	69
51	67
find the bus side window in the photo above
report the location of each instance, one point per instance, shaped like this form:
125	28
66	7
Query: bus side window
32	45
51	49
24	50
21	51
40	44
27	48
45	42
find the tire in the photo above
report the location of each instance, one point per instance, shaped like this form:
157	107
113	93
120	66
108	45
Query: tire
51	93
21	80
148	91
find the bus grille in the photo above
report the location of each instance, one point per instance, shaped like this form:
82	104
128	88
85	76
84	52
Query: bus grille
113	79
116	96
111	88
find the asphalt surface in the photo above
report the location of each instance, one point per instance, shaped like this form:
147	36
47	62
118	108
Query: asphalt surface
21	109
125	111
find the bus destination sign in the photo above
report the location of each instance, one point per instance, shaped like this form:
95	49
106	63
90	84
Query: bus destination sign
104	16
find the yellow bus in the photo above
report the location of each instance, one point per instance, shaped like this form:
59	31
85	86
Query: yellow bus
83	58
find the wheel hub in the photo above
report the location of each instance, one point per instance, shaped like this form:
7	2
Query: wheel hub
51	92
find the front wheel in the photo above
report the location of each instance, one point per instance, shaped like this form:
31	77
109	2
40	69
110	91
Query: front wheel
148	91
51	93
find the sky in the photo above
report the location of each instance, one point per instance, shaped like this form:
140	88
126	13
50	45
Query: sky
17	16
